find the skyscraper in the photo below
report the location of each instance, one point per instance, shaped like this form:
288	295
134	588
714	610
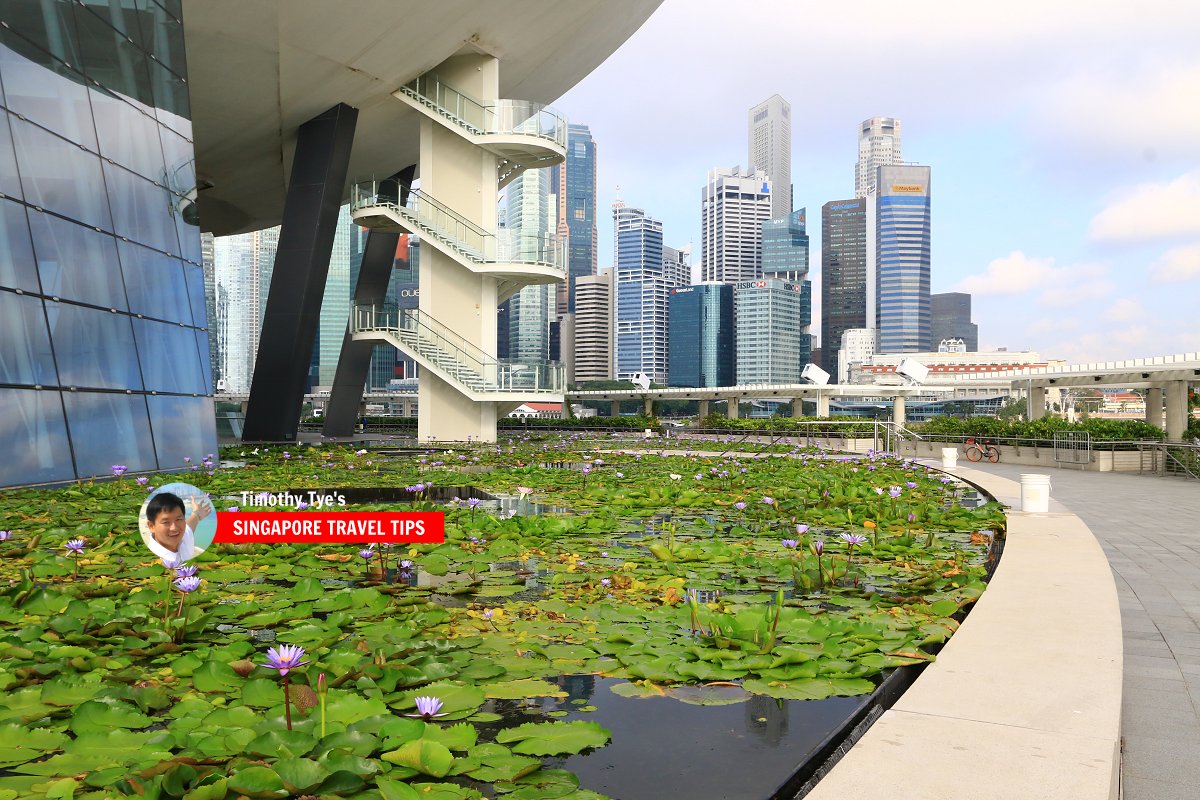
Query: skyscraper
770	149
950	318
574	183
530	211
702	345
242	269
335	305
878	146
902	257
844	273
771	344
594	327
646	272
785	248
734	205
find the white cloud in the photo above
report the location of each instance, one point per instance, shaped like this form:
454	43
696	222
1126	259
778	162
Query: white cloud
1017	273
1126	309
1179	264
1151	211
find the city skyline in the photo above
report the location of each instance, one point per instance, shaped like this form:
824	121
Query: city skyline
1068	199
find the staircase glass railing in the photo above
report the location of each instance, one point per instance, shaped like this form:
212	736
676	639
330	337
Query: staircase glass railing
506	116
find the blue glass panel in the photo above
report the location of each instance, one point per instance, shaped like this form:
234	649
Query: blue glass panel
24	342
10	184
195	286
155	284
17	267
162	32
76	263
107	429
35	438
128	136
49	24
93	348
184	427
169	359
112	61
49	93
141	210
60	176
202	349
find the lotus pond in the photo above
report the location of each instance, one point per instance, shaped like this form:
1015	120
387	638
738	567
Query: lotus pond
582	593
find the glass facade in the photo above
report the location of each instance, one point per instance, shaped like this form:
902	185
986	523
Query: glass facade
103	327
771	345
574	183
843	275
902	254
643	289
702	338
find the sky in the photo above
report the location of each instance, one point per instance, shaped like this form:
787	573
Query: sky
1063	137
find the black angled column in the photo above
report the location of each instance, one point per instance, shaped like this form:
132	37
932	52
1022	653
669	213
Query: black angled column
293	311
379	257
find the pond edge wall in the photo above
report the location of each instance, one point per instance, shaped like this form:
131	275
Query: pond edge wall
1025	698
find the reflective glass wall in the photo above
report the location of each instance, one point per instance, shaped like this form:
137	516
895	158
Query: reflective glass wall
103	327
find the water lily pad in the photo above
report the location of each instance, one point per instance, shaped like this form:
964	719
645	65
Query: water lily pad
554	738
810	688
105	714
455	737
520	689
709	695
424	755
300	775
258	782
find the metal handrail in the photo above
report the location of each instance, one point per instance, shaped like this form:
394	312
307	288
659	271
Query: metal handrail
454	354
506	116
430	216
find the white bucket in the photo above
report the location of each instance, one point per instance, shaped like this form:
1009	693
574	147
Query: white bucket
1035	493
949	457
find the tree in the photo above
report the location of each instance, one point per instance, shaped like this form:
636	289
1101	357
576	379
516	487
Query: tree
1012	409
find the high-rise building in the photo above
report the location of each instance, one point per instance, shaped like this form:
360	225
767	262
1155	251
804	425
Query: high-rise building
242	268
677	265
702	345
858	345
574	183
770	149
531	208
950	318
785	248
878	146
335	305
594	324
771	344
844	275
902	258
646	273
734	205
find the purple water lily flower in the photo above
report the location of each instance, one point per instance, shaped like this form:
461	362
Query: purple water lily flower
789	543
895	491
912	517
427	708
119	469
285	658
879	490
185	570
605	582
234	509
188	584
142	481
367	554
301	505
818	546
739	505
474	502
75	545
406	565
853	538
801	529
5	536
911	484
769	500
286	455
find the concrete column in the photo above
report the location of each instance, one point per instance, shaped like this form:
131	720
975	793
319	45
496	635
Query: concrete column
1035	404
648	407
732	409
1154	406
797	406
703	409
1177	397
898	410
822	405
616	409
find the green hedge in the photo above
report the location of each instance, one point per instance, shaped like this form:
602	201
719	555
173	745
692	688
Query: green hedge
858	426
1044	428
631	423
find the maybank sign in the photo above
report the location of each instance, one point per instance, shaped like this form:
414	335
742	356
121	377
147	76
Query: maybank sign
907	188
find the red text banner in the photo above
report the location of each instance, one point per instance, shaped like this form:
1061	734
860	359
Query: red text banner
349	527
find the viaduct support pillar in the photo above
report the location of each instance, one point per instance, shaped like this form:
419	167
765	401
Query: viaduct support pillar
703	410
648	407
1154	406
1177	410
898	409
822	405
1036	403
616	409
732	410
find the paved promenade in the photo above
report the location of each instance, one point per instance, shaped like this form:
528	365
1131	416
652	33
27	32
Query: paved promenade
1150	529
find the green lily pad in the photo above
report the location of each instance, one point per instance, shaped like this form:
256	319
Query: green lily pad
424	755
520	689
258	782
300	775
554	738
105	714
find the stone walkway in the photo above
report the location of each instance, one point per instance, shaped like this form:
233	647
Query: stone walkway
1150	529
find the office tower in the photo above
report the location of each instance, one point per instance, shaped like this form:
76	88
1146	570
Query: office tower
242	268
771	149
646	273
734	205
574	182
530	210
335	304
857	346
902	258
771	344
785	248
702	347
950	318
844	275
677	265
878	146
594	323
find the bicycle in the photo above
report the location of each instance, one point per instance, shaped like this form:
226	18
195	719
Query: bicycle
975	451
